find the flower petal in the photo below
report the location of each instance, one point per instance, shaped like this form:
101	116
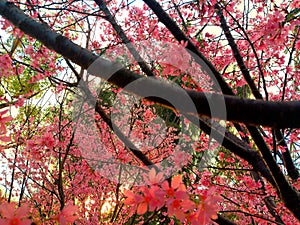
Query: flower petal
7	210
22	211
142	208
176	181
26	222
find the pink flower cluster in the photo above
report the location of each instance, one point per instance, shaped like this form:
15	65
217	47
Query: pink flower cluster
197	210
66	216
4	118
5	65
12	216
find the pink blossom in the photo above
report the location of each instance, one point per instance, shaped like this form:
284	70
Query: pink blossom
67	215
176	186
153	197
48	140
178	201
135	200
181	158
207	209
20	102
153	177
150	199
297	46
131	198
179	205
141	201
12	216
3	121
5	64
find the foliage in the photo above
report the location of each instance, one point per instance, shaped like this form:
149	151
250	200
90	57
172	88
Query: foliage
78	147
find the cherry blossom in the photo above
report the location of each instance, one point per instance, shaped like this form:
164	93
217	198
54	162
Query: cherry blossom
66	216
50	158
12	216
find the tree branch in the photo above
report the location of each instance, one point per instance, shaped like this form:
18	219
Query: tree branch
255	112
223	221
236	53
124	38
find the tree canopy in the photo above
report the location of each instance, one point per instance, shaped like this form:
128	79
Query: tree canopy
149	112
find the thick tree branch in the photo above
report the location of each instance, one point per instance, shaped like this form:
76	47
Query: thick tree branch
283	186
124	38
288	162
85	58
98	108
179	35
255	112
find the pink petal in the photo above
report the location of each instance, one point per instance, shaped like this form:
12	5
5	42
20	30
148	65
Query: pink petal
176	181
165	185
187	205
179	215
7	210
214	216
152	174
142	208
130	198
22	211
3	222
6	119
5	139
129	194
3	112
69	209
181	195
62	220
26	222
71	218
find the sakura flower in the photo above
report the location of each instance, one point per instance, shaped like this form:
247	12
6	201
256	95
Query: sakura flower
207	208
66	216
150	199
135	200
12	216
5	65
183	43
131	198
176	186
47	140
174	209
181	158
143	202
178	201
60	88
154	197
5	138
179	205
20	102
153	177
